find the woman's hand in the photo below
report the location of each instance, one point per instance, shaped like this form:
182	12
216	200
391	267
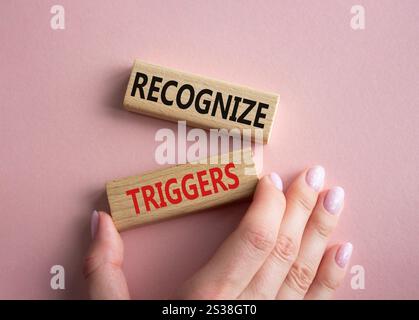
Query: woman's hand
278	251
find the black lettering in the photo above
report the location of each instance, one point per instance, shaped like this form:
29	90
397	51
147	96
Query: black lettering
138	85
242	119
202	104
223	107
164	89
206	103
236	105
179	96
153	88
261	115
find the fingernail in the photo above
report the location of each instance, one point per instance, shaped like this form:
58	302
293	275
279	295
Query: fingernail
276	180
334	199
94	220
315	177
344	254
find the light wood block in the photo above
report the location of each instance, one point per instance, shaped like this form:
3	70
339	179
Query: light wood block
202	102
181	189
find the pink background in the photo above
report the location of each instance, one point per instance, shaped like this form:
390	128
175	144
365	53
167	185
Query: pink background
349	101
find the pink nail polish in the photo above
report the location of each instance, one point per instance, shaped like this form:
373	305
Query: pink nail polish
276	180
343	254
333	200
94	220
315	177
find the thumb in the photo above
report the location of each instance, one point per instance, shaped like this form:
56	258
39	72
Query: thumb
103	263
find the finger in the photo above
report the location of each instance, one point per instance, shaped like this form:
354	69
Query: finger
301	198
102	267
331	272
244	251
313	244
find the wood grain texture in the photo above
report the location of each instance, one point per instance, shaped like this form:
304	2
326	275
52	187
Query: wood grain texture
214	182
202	102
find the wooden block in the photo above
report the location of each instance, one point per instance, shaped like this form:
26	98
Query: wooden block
181	189
205	103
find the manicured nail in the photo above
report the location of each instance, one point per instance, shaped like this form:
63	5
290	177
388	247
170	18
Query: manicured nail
333	200
315	177
344	254
94	220
276	180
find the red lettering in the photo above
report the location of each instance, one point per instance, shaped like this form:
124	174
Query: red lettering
149	197
176	191
203	183
217	179
158	195
192	187
232	176
160	191
133	194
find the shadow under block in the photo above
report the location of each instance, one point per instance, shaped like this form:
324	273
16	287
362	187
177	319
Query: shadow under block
202	102
181	189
